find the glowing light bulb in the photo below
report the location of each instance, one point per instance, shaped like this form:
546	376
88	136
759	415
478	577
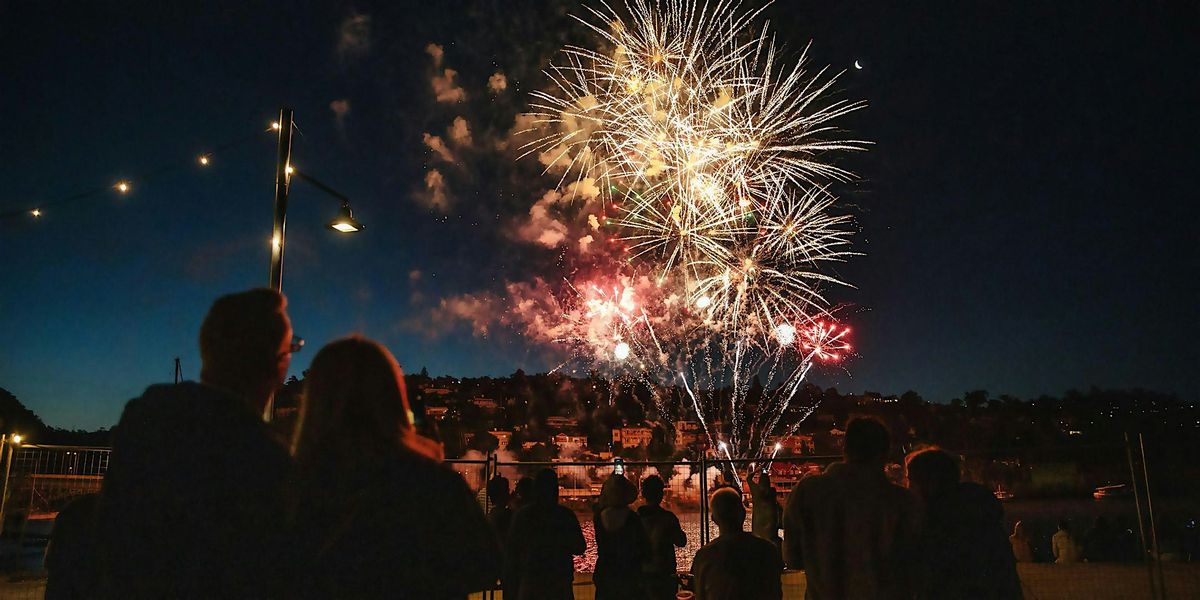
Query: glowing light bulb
203	160
621	352
36	213
786	334
16	438
122	186
778	446
275	125
289	169
275	242
702	302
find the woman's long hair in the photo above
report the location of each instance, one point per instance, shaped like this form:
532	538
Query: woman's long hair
355	406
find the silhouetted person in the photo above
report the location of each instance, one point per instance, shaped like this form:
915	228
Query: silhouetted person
854	529
621	542
377	515
1022	548
500	517
964	549
1100	544
543	538
1063	545
499	497
661	577
767	517
522	493
737	565
71	553
192	503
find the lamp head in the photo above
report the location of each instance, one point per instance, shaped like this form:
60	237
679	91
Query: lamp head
344	221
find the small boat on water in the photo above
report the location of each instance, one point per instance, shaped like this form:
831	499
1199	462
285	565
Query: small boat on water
1106	492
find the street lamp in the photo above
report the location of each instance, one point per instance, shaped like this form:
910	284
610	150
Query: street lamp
344	222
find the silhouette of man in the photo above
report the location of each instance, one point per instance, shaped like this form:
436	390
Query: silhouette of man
963	544
543	537
665	534
853	530
192	504
767	516
737	565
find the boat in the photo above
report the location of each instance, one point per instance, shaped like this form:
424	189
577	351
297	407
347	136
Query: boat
1106	492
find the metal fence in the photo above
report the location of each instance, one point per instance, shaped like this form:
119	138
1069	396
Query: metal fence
41	479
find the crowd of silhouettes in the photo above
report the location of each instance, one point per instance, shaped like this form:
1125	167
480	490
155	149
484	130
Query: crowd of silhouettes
202	500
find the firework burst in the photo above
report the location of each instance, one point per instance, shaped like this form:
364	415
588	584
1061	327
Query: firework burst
711	156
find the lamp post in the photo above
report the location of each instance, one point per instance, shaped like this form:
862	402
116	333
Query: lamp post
9	442
344	222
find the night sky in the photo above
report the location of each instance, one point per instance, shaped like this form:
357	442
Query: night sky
1027	213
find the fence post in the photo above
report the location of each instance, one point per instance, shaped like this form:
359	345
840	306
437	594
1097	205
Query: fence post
1137	503
703	499
1162	581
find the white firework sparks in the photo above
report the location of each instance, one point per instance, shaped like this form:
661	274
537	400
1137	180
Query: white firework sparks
713	156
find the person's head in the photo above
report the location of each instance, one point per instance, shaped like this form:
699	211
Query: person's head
524	490
497	490
354	402
617	491
246	344
652	489
867	441
931	472
545	486
727	509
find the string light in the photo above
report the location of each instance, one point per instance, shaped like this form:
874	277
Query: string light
125	186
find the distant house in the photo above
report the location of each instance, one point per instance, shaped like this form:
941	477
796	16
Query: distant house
796	443
486	404
437	391
437	413
502	436
632	437
557	422
570	439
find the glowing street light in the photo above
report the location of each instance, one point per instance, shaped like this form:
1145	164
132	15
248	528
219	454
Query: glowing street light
122	186
344	222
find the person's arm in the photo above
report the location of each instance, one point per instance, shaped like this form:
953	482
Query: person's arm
793	533
575	542
680	536
469	545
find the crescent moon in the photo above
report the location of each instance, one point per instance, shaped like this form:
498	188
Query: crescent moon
857	65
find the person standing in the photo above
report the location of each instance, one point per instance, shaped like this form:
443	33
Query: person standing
852	530
659	568
767	517
192	503
1022	549
963	548
737	565
541	542
377	515
621	543
1066	549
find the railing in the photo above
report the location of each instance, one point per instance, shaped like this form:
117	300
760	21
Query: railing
44	478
